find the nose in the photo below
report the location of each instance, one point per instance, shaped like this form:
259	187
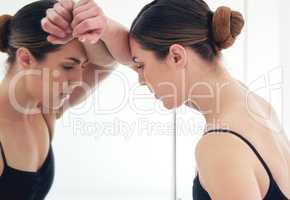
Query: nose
76	78
77	75
141	78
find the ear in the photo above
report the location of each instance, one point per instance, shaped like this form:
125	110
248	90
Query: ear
177	56
24	58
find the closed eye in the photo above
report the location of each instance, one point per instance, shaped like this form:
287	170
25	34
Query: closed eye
67	67
140	66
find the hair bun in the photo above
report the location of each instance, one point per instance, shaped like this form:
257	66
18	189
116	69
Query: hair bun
226	26
4	31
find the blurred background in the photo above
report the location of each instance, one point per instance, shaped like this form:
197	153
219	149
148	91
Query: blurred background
122	143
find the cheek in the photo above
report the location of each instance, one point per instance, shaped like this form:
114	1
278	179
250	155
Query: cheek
151	80
33	84
163	83
152	74
51	85
148	75
170	90
58	80
172	96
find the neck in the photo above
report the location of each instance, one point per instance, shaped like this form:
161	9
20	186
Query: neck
15	101
214	93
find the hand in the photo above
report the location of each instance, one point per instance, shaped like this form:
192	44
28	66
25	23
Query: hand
57	22
89	21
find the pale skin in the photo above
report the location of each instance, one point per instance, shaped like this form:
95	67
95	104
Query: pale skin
224	101
26	143
25	137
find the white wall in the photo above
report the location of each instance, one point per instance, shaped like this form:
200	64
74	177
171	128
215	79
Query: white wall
285	61
264	70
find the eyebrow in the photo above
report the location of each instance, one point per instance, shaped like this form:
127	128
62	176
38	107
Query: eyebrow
76	60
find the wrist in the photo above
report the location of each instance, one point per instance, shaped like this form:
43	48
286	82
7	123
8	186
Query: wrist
108	31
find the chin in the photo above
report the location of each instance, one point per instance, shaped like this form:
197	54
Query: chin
55	105
58	105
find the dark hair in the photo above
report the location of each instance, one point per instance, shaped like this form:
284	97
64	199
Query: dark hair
163	23
24	30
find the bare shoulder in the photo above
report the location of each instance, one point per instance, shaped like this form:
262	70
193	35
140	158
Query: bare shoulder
223	142
224	162
214	146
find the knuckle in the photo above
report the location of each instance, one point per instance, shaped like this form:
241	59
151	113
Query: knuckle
56	6
44	22
46	27
48	11
77	18
67	4
95	10
54	17
86	24
62	12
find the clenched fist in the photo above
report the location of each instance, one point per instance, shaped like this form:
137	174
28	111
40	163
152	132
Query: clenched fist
84	20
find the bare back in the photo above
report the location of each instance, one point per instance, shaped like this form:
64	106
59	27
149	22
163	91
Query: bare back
258	122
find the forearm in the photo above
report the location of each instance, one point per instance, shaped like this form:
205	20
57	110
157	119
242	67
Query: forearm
116	38
99	54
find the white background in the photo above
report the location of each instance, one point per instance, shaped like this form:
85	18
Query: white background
144	159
